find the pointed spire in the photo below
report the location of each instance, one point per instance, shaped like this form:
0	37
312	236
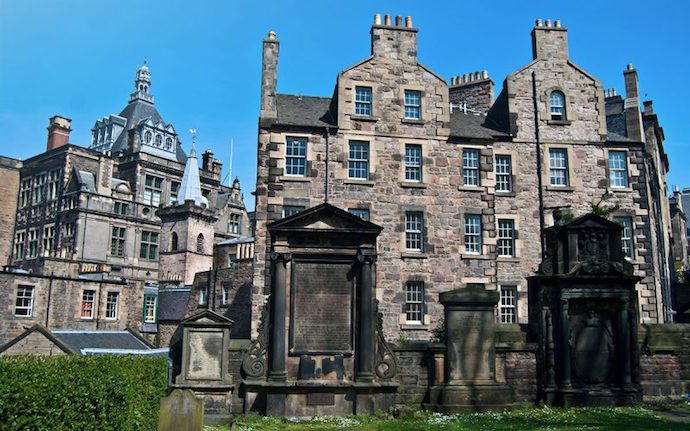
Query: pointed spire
190	189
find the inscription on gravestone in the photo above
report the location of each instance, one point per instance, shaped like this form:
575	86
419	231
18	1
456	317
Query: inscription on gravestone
322	307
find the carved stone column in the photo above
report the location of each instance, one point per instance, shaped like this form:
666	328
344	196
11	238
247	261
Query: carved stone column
365	318
277	352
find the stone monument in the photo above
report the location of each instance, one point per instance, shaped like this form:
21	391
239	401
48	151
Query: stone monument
320	348
583	311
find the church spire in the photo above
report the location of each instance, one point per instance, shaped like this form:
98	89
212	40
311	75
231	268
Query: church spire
142	85
190	189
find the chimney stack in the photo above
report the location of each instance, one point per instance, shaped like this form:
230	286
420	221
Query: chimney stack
633	117
207	160
395	41
59	129
549	41
269	77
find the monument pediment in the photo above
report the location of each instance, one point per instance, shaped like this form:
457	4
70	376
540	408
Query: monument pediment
590	220
206	318
324	217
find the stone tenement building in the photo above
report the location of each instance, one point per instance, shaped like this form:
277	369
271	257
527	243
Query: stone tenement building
91	214
462	184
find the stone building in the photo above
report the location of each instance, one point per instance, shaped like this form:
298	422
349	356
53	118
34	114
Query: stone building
462	184
91	213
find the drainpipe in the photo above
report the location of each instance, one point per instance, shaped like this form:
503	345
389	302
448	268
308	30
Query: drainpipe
325	197
539	167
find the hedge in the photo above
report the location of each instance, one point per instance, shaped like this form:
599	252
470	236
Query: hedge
81	392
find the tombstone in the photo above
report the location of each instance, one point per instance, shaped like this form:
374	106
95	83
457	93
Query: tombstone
320	348
205	362
583	311
470	361
181	411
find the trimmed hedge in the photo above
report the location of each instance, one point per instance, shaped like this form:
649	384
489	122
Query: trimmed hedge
81	392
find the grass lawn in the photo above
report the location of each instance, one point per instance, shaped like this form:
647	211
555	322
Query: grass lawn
544	418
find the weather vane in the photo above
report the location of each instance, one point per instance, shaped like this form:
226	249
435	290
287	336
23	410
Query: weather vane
193	132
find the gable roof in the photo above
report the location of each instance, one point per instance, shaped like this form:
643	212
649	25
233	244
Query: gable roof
325	218
43	331
307	111
79	340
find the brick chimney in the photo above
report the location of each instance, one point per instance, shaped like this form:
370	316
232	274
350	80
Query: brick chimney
207	160
549	41
269	77
59	129
394	40
633	116
473	91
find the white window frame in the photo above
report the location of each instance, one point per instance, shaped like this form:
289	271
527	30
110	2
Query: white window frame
363	101
150	304
557	105
413	163
414	303
412	104
112	308
88	303
296	161
627	235
24	301
473	234
558	167
507	304
362	213
358	156
414	231
618	169
504	173
506	238
470	167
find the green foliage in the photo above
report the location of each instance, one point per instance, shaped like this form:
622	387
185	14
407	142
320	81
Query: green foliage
604	211
439	332
81	392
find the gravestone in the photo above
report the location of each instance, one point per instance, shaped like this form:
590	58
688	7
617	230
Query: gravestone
470	368
320	348
181	411
583	312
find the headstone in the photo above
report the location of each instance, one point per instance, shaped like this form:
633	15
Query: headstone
181	411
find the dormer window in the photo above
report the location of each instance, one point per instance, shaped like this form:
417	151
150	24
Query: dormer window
159	140
168	144
557	102
147	137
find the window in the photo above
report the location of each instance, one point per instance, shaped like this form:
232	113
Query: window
68	237
25	301
117	241
506	238
149	245
200	243
53	184
618	169
558	162
202	297
147	137
39	181
504	173
111	305
414	302
33	244
290	210
48	239
626	235
150	308
168	144
557	102
25	195
174	191
226	294
19	239
159	140
87	301
413	105
414	224
358	160
234	223
413	163
362	213
120	208
296	156
473	234
152	190
507	306
363	101
470	167
173	241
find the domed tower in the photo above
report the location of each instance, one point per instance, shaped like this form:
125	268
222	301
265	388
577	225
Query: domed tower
142	85
187	230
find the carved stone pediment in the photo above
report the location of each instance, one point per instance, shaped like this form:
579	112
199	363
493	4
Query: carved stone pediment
324	217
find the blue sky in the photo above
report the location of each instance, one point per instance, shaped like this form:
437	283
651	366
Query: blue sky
78	59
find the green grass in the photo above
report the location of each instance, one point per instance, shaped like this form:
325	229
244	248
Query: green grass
544	418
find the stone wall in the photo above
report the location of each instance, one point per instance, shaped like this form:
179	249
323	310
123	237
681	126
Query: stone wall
665	361
34	344
9	190
475	93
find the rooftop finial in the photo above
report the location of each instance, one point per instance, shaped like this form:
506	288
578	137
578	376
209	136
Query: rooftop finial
192	152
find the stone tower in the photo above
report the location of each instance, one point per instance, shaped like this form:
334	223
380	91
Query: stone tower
186	230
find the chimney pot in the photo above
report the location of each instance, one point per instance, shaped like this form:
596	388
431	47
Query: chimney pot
557	23
547	23
398	21
272	35
452	80
538	23
648	108
630	67
387	20
59	129
477	76
464	78
485	74
408	21
377	19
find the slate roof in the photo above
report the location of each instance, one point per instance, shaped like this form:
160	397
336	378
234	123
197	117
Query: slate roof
78	340
468	125
305	111
87	181
172	303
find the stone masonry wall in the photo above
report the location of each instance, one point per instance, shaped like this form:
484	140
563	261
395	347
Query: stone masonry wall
476	95
35	344
9	190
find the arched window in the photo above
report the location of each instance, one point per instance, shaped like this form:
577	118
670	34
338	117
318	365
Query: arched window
159	140
557	102
200	243
168	143
147	137
173	242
